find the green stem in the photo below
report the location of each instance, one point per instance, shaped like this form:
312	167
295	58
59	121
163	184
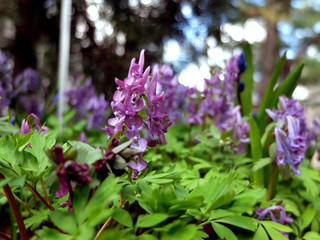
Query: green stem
272	180
15	209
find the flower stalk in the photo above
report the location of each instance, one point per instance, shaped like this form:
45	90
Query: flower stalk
272	181
15	209
107	223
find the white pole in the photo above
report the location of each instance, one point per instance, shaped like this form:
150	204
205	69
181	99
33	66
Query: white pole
64	51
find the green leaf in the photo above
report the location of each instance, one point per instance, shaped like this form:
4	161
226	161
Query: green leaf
277	226
247	78
150	220
261	164
8	151
158	178
240	221
80	198
182	231
6	127
86	153
122	217
223	232
291	206
256	150
260	234
311	236
268	94
38	217
66	221
52	234
273	229
307	216
107	191
18	181
215	132
147	237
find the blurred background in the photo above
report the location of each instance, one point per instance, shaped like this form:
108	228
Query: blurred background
193	36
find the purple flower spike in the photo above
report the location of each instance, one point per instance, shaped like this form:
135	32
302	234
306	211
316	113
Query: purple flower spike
291	146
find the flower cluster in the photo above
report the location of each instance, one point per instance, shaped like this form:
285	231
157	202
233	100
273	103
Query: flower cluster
69	173
219	93
137	111
6	68
276	213
175	93
22	89
88	104
290	136
217	101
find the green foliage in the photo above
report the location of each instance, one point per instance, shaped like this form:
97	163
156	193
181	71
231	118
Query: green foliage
198	186
247	78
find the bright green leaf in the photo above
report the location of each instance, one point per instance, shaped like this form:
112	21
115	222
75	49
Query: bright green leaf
64	220
122	217
240	221
260	234
150	220
223	232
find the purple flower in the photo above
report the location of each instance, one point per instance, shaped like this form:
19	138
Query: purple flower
83	138
134	95
194	117
6	88
32	121
291	146
137	167
88	104
276	213
68	172
289	107
291	136
26	82
314	132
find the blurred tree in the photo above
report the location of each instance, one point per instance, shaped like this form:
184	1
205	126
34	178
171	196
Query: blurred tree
106	34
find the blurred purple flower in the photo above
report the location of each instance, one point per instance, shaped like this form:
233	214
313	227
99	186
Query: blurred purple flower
6	88
276	213
27	81
88	104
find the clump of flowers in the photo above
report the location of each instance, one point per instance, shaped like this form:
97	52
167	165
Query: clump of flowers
88	104
6	68
276	214
25	87
137	112
69	173
175	103
217	101
290	135
20	91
